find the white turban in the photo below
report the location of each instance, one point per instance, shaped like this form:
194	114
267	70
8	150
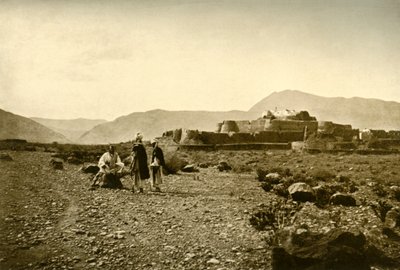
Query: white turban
138	137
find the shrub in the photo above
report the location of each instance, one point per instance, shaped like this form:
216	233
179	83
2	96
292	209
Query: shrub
288	181
379	190
343	179
381	208
299	177
281	171
276	215
241	168
322	175
281	190
261	173
352	187
396	194
267	186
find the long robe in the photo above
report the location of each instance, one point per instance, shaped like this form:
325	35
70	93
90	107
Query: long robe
140	161
157	160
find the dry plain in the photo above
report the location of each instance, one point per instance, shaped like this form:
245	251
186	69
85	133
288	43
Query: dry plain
49	219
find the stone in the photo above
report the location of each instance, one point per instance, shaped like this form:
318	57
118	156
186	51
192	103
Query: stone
57	163
74	160
301	192
90	260
335	249
5	157
342	199
90	168
223	166
392	219
190	168
213	261
273	178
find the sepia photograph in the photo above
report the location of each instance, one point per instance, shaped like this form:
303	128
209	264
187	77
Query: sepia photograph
200	134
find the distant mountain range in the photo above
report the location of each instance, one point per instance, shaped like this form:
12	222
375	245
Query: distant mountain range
359	112
13	126
153	123
72	129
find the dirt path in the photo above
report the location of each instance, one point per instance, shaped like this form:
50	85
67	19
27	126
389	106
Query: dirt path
50	220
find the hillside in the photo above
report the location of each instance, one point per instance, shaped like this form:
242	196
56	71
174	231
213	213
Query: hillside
14	126
72	129
359	112
154	123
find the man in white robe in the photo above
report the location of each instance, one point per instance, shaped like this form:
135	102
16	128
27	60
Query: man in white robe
110	169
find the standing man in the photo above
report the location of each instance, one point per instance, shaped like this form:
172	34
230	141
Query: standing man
139	165
157	162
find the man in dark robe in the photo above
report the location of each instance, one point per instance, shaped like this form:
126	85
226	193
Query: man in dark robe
139	167
157	162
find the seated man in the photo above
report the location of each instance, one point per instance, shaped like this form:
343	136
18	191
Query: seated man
110	169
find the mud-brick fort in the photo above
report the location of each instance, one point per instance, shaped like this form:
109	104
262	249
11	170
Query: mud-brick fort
280	129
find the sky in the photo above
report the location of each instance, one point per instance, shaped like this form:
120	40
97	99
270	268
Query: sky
65	59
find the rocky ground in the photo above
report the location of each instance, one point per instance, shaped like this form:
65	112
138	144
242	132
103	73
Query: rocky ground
49	219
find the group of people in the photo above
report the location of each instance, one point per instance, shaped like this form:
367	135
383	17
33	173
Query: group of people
111	167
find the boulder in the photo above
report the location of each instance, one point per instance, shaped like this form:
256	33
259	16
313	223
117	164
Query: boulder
74	160
190	168
57	163
90	168
301	192
6	157
335	249
223	166
273	178
342	199
392	219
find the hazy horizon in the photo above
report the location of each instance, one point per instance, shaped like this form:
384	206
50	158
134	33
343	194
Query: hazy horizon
101	59
80	118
